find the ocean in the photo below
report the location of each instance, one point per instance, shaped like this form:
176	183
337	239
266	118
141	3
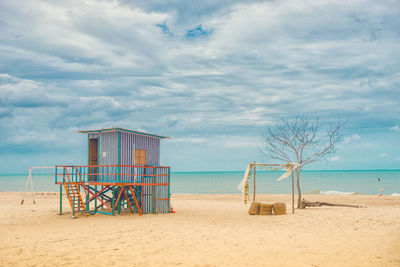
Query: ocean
315	182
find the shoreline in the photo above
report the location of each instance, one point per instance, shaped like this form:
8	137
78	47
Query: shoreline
350	170
334	193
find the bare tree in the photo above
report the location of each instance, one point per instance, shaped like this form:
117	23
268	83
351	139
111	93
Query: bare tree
301	140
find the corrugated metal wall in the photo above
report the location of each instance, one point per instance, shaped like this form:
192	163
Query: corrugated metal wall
108	143
129	142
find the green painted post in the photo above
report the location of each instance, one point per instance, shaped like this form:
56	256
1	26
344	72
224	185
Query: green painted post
95	199
60	200
169	191
154	192
113	201
102	197
119	157
99	177
87	201
73	206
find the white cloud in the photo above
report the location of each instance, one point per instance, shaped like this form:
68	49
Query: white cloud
335	158
348	139
395	128
192	140
239	67
235	141
384	154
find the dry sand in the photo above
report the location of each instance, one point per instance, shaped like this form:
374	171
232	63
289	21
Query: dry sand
207	230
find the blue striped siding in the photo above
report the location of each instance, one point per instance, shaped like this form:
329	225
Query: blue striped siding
109	144
129	142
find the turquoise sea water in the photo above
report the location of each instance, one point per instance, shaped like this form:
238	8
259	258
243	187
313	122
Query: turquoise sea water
324	182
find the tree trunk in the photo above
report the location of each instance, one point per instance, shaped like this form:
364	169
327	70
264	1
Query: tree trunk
306	203
298	188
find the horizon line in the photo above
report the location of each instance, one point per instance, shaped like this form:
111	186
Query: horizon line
245	170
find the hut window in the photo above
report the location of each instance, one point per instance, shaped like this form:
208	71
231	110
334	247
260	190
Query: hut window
140	157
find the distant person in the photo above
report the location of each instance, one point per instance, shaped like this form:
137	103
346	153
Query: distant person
380	187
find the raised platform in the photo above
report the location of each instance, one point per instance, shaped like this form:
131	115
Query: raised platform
110	188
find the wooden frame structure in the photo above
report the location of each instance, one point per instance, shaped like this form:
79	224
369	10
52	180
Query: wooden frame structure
273	167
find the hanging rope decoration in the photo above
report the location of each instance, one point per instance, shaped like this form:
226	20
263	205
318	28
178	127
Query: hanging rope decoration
246	184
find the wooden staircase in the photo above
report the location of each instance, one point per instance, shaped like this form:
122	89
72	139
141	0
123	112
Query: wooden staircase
74	198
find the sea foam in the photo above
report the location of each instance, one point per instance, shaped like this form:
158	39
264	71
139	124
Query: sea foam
396	194
333	192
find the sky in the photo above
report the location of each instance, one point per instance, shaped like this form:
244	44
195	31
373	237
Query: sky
210	74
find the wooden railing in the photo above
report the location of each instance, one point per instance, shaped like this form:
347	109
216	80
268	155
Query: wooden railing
113	174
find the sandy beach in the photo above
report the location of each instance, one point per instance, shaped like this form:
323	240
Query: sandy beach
207	230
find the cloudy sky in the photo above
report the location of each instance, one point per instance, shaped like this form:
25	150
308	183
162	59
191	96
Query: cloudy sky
211	74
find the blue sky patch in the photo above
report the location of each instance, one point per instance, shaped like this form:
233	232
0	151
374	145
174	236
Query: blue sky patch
198	32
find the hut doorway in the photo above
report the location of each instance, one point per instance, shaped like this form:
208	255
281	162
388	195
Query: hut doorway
93	158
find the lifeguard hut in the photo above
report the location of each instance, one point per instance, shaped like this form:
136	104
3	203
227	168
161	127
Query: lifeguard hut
123	171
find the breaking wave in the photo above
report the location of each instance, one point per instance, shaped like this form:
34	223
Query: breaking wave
333	192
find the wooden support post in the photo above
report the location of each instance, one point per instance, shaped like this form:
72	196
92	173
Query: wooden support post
73	206
87	201
169	191
113	200
119	191
119	203
153	180
292	194
60	200
95	200
254	186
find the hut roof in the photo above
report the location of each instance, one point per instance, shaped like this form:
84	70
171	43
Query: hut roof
117	129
